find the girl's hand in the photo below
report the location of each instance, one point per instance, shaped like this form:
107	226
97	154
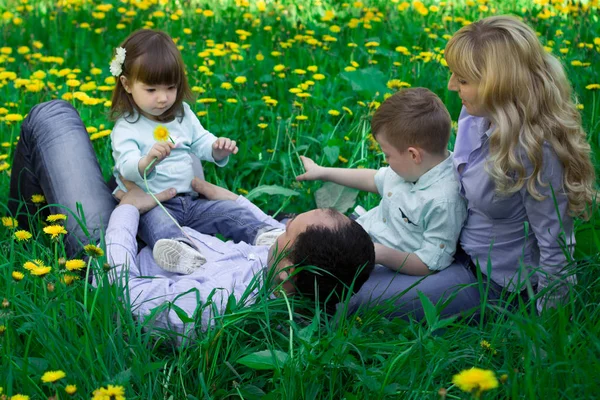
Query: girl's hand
223	147
314	172
159	151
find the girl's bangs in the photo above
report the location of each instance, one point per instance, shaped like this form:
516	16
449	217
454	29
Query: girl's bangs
158	66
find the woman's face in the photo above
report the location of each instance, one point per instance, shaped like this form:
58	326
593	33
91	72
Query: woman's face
468	93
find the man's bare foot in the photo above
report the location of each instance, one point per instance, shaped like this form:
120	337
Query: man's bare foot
212	192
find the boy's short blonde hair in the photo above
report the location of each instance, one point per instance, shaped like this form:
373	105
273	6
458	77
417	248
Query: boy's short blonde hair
414	117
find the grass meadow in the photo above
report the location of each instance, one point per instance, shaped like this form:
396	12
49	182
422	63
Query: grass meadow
283	78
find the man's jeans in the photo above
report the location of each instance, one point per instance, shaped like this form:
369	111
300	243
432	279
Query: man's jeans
55	157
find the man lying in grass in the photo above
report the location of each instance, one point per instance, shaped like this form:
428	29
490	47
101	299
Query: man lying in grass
321	255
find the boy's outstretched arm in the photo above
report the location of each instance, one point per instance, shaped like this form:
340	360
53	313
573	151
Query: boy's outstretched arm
361	179
406	263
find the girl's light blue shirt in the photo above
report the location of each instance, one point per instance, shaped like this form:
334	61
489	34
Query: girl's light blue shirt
132	141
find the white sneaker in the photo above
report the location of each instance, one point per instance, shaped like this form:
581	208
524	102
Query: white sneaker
268	238
177	257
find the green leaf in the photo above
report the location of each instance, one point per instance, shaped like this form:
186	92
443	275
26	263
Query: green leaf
332	154
181	314
431	314
332	195
272	190
367	81
263	360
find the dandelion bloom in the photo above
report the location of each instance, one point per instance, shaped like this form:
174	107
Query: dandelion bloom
56	217
593	86
71	389
9	222
22	235
93	251
75	265
240	80
53	376
262	125
55	230
110	392
318	77
29	265
475	379
161	134
40	271
335	113
38	198
19	397
68	279
301	117
17	276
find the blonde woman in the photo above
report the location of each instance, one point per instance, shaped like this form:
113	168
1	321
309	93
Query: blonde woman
524	167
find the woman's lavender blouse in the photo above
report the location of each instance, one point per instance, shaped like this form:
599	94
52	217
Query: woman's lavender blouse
495	230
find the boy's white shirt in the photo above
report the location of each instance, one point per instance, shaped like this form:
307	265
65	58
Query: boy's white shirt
424	218
132	141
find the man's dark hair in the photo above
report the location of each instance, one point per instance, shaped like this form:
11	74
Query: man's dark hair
331	260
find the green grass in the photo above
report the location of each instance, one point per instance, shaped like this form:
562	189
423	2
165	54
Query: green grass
268	350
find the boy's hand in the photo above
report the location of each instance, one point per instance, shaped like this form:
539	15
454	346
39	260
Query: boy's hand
314	172
223	147
159	151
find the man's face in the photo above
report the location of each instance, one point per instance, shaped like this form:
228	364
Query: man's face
285	241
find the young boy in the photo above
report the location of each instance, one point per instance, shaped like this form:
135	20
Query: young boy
416	226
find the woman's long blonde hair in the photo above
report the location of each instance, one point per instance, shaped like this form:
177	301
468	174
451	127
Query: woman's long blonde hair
527	96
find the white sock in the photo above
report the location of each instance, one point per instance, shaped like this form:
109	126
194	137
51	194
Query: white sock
268	238
177	256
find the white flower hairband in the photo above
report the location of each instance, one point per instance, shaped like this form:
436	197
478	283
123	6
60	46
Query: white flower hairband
116	65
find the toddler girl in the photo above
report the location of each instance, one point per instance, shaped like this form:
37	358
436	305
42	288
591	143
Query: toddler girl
155	135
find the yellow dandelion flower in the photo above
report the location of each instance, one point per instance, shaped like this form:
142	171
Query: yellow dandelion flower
9	222
226	85
93	251
19	397
240	80
56	217
53	376
342	159
71	389
75	265
55	230
349	111
593	86
318	77
13	118
40	271
301	117
110	392
475	380
206	100
242	191
279	68
68	279
38	198
262	125
335	113
161	134
17	276
22	235
29	265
